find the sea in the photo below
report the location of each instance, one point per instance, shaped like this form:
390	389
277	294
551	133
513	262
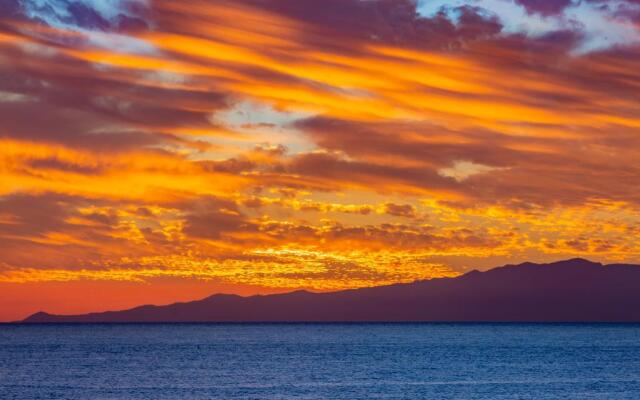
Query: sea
320	361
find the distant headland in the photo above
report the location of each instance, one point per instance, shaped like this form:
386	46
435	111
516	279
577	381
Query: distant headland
575	290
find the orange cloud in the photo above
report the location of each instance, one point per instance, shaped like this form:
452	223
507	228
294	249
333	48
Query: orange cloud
262	146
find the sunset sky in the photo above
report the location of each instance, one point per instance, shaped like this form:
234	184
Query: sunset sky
154	151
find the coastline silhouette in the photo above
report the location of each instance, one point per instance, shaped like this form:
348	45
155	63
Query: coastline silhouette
575	290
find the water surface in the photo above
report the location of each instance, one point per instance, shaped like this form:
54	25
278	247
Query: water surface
320	361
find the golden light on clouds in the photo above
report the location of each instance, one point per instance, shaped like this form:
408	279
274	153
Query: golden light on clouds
280	144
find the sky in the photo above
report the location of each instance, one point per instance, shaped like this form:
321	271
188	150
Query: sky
154	151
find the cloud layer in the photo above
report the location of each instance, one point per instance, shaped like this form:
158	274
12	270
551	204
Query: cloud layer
268	145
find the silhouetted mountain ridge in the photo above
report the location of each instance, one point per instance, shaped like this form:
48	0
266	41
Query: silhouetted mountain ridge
571	290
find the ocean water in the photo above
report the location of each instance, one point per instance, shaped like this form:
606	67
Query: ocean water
320	361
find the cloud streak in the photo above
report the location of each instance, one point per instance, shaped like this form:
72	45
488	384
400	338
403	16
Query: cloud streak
288	144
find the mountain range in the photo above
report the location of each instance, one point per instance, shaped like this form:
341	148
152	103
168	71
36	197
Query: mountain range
575	290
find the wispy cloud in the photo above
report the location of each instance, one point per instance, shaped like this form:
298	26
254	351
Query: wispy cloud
297	143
